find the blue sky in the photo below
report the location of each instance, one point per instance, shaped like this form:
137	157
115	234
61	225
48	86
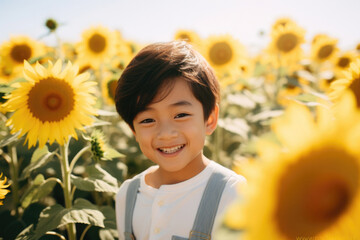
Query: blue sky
148	21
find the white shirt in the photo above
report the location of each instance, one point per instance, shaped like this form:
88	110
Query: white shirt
170	210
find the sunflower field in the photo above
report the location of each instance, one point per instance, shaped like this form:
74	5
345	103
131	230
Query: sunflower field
289	122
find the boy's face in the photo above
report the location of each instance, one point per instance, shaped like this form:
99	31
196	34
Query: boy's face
171	132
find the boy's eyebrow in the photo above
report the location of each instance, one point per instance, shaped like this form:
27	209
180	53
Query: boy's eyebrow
176	104
181	103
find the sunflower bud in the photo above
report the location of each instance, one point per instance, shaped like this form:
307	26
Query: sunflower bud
98	146
51	24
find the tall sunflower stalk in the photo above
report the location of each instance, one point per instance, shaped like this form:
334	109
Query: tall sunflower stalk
68	198
59	101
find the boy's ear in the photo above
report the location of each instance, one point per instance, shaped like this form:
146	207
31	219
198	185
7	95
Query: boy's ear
211	122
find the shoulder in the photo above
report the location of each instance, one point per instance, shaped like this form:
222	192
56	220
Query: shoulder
125	185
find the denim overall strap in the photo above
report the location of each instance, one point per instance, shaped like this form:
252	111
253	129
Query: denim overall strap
208	207
131	195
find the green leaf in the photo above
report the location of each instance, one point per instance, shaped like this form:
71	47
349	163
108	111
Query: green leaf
111	153
4	88
110	231
110	218
41	158
241	100
264	115
56	216
238	126
39	189
98	180
27	233
107	113
9	139
38	153
98	123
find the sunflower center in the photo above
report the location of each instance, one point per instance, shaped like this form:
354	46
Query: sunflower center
325	51
327	198
51	99
315	191
287	42
355	88
20	52
97	43
343	62
221	53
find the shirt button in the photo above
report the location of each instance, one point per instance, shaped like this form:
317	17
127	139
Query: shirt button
157	230
160	203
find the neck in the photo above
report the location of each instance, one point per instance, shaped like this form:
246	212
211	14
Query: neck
161	177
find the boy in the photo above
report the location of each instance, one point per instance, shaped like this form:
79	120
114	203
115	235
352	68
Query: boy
168	96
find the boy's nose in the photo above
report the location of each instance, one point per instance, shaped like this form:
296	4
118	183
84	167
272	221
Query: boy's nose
167	131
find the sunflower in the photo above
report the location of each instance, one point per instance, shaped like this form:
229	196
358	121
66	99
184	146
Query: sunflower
108	88
223	53
20	48
286	43
309	185
285	94
323	48
342	63
123	48
357	48
6	74
189	36
350	81
51	104
3	191
282	22
97	46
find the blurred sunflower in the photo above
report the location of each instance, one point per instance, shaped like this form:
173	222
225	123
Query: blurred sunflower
83	65
342	63
108	87
20	48
357	48
51	104
68	51
323	48
189	36
3	191
123	48
97	46
350	81
311	182
223	53
286	94
6	74
286	43
282	22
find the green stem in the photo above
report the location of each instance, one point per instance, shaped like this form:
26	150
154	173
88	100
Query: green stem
85	231
65	170
14	166
55	234
77	156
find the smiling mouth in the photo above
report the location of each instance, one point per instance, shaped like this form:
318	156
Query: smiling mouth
172	149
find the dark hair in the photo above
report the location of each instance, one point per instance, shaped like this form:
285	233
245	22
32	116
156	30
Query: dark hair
154	67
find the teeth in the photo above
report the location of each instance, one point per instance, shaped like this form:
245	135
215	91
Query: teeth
171	150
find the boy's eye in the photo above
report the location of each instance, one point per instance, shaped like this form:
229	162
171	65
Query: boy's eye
147	120
181	115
